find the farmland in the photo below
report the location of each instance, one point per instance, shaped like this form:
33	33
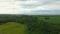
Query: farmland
29	24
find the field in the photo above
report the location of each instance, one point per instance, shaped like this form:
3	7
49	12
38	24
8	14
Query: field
29	24
12	28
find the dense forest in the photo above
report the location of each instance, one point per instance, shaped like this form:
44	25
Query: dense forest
36	24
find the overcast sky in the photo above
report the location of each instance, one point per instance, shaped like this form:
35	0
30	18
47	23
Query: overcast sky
29	6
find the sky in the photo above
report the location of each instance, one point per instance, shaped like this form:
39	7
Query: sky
30	7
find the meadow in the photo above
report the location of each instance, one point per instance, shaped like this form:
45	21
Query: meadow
12	28
29	24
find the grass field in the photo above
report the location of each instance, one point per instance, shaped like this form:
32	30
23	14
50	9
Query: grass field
12	28
52	19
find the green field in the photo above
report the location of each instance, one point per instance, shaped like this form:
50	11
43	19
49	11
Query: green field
52	19
29	24
12	28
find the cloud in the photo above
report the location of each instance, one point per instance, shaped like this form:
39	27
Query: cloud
45	12
6	0
48	7
21	0
27	6
33	3
7	8
41	4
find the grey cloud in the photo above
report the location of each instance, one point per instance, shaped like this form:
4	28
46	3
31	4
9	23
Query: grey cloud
45	12
20	0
